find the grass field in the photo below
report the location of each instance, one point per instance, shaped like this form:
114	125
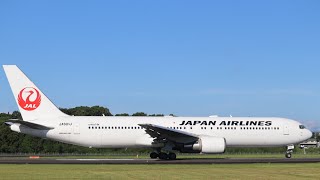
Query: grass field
179	156
190	156
246	171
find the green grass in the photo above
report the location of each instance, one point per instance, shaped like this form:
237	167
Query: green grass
246	171
190	156
179	156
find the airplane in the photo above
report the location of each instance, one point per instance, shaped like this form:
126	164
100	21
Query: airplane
162	135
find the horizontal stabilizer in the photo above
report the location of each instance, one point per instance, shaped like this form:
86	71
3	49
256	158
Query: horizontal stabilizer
28	124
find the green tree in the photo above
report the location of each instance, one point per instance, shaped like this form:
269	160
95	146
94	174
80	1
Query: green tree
4	116
16	115
122	114
87	111
317	136
139	114
159	115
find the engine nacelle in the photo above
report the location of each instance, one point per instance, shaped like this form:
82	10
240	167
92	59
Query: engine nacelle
15	127
25	130
208	145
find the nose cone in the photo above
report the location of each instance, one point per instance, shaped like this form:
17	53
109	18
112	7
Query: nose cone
308	134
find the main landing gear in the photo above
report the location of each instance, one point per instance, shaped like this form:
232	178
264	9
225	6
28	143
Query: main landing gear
163	156
289	151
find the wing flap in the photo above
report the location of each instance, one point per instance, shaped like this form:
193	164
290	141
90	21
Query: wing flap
160	132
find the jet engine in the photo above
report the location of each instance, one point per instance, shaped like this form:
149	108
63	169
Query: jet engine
207	145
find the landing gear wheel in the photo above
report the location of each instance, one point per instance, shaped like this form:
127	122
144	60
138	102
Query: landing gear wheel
172	156
289	152
288	155
163	156
154	155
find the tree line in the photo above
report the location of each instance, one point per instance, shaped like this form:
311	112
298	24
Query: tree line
12	142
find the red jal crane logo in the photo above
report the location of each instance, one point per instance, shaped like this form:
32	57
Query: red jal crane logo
29	99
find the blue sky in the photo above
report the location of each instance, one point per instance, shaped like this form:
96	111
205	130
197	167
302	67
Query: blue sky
190	58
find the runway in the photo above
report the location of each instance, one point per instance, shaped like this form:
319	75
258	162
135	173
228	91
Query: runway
156	161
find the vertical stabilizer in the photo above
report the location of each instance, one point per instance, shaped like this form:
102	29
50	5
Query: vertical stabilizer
32	103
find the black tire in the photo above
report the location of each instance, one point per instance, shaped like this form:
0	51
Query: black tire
154	155
163	156
172	156
288	155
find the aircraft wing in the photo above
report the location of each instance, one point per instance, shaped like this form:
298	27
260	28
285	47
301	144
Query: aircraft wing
27	124
163	133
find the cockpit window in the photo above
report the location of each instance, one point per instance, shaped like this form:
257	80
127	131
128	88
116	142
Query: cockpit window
302	127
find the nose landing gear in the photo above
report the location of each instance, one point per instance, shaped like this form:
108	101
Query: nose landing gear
289	151
288	154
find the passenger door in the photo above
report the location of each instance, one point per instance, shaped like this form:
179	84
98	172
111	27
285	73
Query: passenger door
285	129
76	129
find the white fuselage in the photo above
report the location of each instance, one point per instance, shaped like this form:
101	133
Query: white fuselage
42	118
125	132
